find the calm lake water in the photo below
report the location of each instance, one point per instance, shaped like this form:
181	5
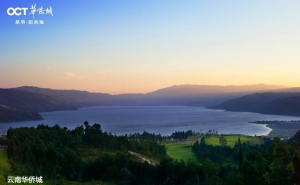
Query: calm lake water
156	119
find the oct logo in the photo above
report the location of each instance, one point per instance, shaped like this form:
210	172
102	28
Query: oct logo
16	11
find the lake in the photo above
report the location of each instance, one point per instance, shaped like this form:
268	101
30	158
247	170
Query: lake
156	119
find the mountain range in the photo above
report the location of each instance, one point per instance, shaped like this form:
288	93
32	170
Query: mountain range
24	103
202	95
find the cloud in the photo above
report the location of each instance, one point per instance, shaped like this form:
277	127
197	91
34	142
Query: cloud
70	74
102	74
48	67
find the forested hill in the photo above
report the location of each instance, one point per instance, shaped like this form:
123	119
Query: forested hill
278	103
89	155
285	106
10	115
69	97
28	101
23	106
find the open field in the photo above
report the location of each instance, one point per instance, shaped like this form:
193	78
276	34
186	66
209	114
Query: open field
4	166
232	139
181	151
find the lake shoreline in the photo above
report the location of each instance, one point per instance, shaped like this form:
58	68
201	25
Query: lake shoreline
282	129
162	120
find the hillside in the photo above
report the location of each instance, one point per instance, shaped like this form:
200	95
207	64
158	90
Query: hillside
9	115
28	101
279	103
285	106
24	106
69	97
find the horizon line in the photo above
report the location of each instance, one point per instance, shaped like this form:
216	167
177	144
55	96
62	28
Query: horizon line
213	85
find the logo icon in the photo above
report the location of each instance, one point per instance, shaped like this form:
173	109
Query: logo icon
16	11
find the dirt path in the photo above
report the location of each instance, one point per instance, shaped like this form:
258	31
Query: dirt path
144	158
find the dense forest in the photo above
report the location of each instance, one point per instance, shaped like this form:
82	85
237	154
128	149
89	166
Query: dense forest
87	153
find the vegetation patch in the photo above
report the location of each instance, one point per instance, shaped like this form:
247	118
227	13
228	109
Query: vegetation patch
87	155
232	139
181	151
4	166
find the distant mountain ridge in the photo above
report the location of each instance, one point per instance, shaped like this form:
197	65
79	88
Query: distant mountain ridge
175	95
188	90
25	102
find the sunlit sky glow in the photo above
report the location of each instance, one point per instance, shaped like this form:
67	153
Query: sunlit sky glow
126	46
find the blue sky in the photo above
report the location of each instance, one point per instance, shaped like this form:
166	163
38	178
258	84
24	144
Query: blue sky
139	46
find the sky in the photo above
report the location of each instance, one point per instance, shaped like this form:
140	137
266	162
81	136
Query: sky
134	46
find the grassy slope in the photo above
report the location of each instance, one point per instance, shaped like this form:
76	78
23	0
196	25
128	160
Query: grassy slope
232	139
4	166
181	151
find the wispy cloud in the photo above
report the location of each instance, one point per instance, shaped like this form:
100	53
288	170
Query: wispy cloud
102	74
70	74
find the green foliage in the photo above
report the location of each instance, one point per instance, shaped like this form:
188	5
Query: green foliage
240	155
4	166
55	153
232	139
211	172
254	165
90	156
222	141
214	153
281	167
183	135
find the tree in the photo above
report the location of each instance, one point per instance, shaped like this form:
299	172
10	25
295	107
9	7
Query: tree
281	168
240	157
222	141
202	142
239	142
211	172
253	168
